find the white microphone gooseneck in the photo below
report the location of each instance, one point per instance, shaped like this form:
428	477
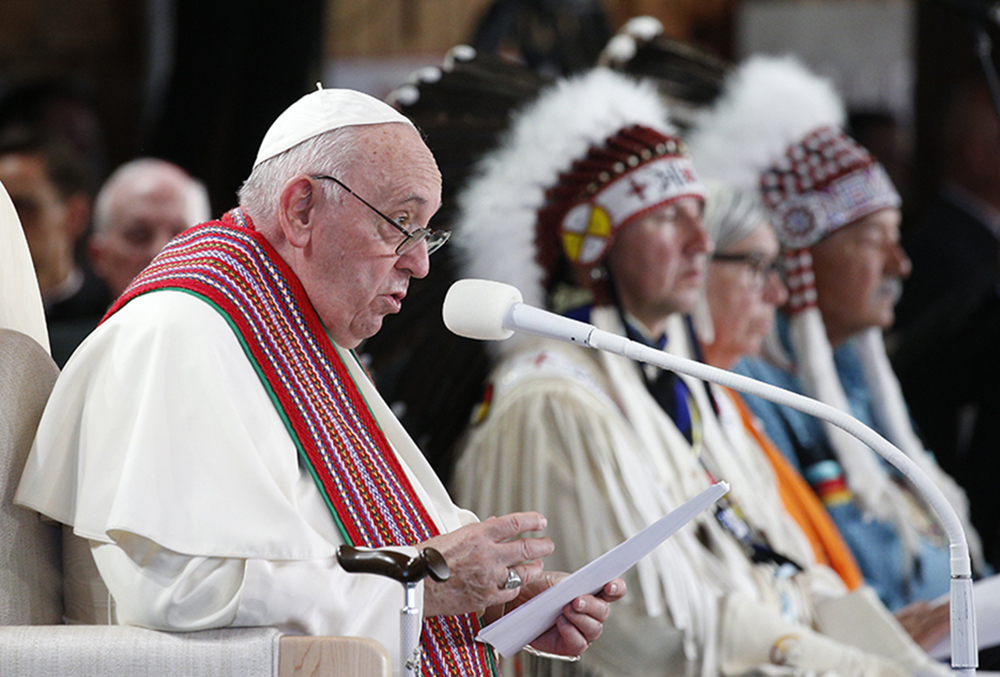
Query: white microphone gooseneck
487	310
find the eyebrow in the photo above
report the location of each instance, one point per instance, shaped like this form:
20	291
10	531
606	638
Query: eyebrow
414	198
410	199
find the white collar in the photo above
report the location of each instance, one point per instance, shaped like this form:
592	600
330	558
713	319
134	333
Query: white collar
65	289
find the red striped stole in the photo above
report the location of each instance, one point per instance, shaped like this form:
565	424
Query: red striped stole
231	266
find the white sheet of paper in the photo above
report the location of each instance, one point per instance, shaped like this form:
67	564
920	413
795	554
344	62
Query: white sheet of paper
986	594
513	631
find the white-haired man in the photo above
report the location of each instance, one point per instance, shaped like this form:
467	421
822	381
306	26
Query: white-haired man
216	439
141	207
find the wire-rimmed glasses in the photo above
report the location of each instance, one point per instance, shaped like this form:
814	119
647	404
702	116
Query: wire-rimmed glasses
759	265
434	238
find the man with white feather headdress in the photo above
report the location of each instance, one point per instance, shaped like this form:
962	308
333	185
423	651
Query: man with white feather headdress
591	207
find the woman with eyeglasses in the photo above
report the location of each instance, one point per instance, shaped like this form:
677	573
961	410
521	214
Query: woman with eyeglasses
743	286
743	290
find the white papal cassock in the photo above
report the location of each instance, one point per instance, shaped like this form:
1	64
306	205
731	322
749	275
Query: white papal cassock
162	448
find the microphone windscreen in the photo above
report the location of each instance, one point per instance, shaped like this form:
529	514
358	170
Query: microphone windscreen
476	309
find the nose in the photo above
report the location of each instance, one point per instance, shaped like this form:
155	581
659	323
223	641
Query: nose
698	241
898	263
416	261
775	292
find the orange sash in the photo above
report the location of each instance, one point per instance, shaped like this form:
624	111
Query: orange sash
803	505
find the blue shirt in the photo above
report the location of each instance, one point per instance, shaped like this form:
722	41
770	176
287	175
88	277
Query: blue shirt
875	544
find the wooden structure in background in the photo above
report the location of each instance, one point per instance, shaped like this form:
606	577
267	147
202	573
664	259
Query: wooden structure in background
397	27
394	27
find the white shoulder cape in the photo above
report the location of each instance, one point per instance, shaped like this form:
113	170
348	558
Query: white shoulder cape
159	426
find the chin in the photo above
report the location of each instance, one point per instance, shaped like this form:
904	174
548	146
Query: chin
681	303
885	320
355	333
369	331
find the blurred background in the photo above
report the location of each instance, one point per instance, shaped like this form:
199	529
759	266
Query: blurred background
198	81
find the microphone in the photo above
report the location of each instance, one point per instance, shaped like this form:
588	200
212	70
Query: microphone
493	311
977	10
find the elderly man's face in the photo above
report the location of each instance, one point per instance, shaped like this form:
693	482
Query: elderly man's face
859	271
658	262
144	214
353	275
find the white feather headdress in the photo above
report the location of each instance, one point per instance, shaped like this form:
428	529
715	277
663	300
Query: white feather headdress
497	211
767	104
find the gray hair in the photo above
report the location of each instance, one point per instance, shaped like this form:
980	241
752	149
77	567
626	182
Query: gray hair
332	153
732	214
198	208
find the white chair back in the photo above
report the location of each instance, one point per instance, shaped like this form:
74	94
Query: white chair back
30	550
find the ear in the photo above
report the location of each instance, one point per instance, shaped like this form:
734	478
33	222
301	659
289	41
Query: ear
297	207
97	250
77	215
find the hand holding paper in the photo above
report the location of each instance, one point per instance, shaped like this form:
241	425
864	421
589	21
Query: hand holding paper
512	632
582	619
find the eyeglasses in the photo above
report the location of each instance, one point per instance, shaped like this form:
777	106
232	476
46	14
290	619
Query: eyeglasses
434	238
759	265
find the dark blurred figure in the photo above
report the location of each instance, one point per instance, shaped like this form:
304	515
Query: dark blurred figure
554	37
52	188
234	66
58	108
955	245
949	369
948	326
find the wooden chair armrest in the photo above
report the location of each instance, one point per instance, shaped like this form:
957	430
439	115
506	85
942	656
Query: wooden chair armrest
304	656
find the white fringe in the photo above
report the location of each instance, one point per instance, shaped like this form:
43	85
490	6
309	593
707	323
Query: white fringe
894	418
866	476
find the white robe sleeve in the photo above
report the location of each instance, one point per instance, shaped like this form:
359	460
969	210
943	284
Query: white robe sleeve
159	427
156	588
162	448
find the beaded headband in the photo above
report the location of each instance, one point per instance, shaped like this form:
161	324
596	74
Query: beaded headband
633	172
822	183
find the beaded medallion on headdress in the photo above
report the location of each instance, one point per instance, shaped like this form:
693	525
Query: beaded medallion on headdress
639	185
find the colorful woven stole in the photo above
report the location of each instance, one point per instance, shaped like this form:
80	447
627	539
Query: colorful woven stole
231	266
